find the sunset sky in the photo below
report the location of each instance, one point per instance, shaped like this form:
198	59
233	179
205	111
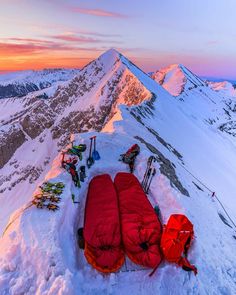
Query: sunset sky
200	34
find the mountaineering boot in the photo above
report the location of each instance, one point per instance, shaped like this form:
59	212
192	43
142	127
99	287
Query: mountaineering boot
81	242
82	174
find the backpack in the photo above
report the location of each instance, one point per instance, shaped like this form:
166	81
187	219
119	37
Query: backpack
130	155
176	240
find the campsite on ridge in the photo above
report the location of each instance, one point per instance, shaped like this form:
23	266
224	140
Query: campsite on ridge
99	177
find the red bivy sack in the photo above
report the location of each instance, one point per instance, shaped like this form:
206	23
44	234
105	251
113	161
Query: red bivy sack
102	226
176	240
141	228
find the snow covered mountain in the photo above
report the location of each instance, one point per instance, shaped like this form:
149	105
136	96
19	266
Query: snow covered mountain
225	88
176	79
118	102
33	129
19	84
213	102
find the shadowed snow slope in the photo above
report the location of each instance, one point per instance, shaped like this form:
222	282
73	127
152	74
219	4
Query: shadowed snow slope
39	252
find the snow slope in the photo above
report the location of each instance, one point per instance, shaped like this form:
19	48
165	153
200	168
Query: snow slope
182	141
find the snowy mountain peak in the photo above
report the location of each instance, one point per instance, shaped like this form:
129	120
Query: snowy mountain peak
224	87
176	78
111	54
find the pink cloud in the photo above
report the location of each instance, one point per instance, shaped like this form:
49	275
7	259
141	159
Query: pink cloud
97	12
29	40
12	49
75	38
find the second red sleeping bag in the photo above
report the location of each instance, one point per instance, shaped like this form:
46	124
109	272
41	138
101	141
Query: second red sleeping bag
141	228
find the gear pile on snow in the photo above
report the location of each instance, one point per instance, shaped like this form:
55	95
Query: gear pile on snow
130	156
70	166
48	198
74	154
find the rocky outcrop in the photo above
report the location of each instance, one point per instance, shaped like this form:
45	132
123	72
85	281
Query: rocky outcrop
9	143
38	119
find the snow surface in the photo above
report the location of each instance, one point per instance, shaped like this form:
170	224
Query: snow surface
39	252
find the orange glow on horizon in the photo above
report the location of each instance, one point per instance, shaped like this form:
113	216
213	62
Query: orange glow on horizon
19	63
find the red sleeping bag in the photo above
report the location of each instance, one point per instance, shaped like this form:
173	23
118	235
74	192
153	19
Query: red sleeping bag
141	228
102	226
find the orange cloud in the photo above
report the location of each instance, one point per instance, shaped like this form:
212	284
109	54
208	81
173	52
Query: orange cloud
38	54
9	49
97	12
42	62
36	46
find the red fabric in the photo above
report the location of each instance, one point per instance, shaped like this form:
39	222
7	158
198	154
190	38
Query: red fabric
141	227
176	240
102	226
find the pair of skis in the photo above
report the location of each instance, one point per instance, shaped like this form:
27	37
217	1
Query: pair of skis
149	174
